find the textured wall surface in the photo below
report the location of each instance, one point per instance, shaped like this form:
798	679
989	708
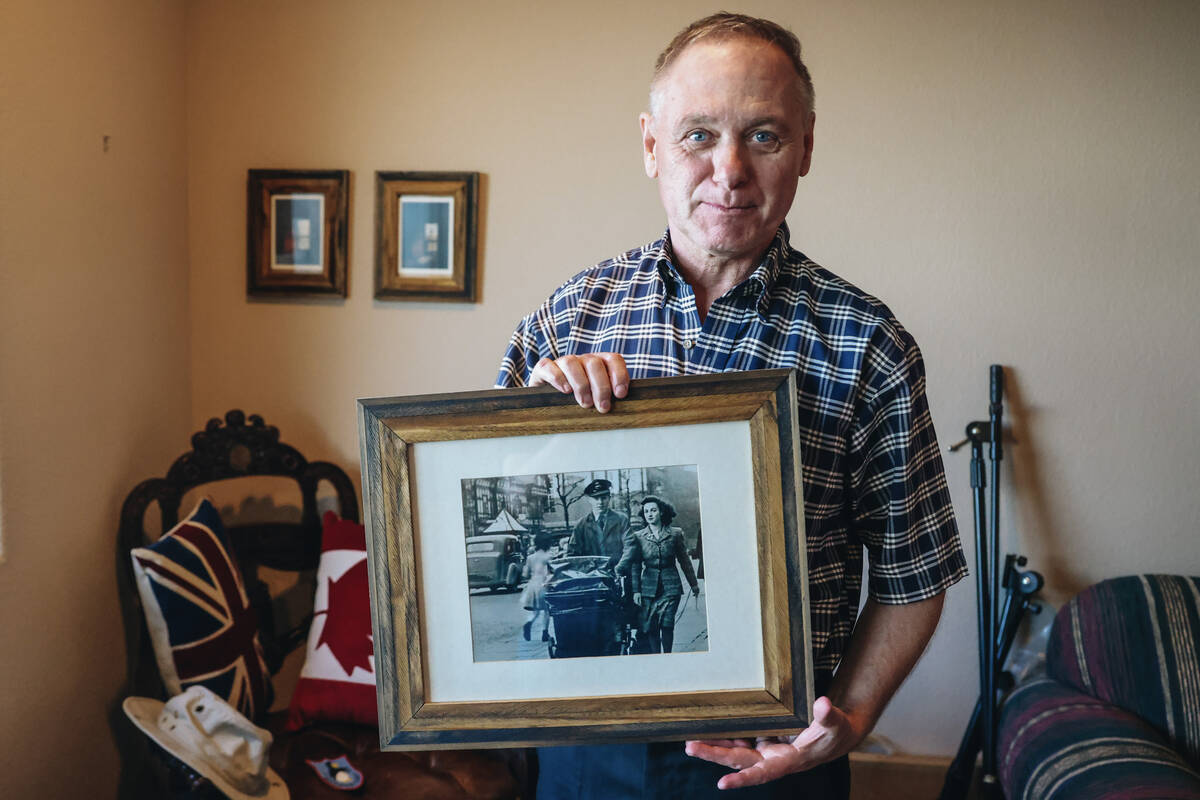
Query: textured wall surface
94	392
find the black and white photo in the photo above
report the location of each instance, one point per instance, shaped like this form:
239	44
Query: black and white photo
588	563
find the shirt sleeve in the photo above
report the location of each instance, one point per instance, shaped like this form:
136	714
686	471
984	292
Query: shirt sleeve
902	509
533	340
520	357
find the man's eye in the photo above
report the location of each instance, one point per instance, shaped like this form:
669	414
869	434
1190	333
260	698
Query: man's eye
697	136
762	137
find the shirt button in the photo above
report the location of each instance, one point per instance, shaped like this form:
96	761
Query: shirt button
688	344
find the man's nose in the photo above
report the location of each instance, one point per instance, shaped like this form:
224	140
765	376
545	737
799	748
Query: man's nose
730	167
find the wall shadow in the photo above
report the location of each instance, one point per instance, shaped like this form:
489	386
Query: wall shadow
1048	552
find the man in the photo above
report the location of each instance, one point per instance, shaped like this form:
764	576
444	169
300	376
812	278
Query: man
603	532
728	135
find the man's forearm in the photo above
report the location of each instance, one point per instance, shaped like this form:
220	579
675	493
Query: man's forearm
886	644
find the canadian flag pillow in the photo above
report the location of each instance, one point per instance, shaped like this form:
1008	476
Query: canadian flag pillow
337	683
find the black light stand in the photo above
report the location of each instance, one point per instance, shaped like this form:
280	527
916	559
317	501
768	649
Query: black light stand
995	453
997	627
1019	589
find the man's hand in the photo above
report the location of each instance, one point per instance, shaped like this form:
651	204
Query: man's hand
832	734
886	643
595	378
637	598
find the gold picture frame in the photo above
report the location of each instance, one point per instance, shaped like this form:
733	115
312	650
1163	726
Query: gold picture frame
741	431
426	236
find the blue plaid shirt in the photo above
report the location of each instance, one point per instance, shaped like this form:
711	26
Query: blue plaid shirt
872	471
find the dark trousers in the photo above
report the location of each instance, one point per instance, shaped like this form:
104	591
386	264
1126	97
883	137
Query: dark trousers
663	770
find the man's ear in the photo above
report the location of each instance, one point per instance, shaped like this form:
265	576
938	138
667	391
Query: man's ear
808	144
648	141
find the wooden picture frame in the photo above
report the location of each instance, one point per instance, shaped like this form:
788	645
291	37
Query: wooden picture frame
426	236
738	429
296	229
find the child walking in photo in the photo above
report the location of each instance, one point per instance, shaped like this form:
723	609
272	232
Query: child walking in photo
539	572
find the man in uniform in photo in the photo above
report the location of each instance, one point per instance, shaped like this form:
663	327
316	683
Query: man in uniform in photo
727	136
603	532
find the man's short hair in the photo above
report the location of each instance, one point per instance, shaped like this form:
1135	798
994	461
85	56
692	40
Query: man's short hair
722	26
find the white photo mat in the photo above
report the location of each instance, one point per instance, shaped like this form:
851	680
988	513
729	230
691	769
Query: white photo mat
722	453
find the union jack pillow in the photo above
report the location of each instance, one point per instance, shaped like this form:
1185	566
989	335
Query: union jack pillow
337	683
201	624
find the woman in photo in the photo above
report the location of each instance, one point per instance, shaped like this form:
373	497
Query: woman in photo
656	584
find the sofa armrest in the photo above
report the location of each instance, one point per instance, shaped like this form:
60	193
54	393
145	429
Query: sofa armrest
1056	742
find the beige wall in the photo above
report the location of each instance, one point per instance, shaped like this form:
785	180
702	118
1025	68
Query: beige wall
1019	184
94	392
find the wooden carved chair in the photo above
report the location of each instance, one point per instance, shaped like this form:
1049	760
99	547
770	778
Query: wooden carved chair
237	448
241	447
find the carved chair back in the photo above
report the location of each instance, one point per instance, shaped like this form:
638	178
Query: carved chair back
237	448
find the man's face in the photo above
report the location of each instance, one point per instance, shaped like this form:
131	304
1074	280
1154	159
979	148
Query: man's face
728	138
599	503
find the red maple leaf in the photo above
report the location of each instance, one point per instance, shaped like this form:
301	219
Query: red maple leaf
347	628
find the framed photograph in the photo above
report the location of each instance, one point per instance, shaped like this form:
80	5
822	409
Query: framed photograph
426	235
542	573
296	231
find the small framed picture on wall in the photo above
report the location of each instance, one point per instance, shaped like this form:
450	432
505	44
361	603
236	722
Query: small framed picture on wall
426	235
296	231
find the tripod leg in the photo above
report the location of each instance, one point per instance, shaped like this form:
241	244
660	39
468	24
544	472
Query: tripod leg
961	769
983	580
958	775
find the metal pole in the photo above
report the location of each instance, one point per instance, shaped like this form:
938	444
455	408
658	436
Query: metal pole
997	626
983	587
995	417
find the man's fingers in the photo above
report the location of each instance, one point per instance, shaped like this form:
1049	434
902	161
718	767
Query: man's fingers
748	743
577	377
732	755
826	714
597	372
827	720
752	768
761	772
547	372
594	378
618	375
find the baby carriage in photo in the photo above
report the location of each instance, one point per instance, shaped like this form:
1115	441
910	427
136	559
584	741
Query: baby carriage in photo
589	609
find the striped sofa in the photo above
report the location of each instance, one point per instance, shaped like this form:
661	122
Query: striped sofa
1118	713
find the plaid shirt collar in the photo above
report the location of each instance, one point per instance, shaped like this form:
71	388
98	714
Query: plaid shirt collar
760	282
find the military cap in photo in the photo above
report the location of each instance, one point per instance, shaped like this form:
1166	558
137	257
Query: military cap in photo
598	487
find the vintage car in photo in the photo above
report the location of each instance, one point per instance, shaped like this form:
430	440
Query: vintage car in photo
494	561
